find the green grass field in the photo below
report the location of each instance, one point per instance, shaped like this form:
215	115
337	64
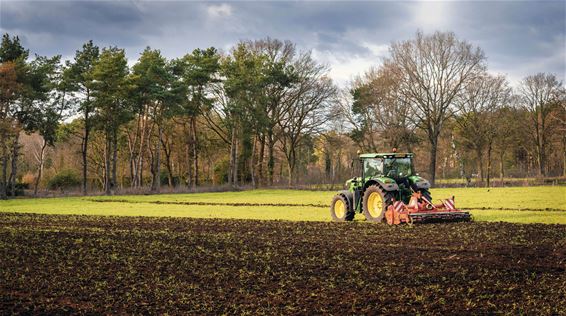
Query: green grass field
543	204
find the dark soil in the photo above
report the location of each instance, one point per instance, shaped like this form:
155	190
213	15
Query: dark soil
117	265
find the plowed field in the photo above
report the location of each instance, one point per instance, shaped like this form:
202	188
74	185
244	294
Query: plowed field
67	264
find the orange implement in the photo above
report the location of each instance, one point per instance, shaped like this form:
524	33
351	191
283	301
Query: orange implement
420	209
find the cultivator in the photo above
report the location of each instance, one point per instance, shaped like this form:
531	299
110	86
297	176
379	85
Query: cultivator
420	210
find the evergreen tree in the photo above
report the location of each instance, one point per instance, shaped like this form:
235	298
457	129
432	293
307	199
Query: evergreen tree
110	88
78	76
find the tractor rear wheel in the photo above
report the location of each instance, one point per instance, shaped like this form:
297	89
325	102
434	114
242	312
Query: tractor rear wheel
340	209
375	203
426	194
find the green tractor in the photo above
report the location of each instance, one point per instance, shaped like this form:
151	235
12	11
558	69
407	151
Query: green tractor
389	189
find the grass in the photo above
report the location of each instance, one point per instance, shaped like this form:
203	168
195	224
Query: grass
543	204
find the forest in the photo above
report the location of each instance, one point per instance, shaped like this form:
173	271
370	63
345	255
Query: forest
266	114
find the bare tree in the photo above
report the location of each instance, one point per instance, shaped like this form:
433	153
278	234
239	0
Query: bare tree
541	94
505	133
560	116
305	109
479	105
432	69
378	108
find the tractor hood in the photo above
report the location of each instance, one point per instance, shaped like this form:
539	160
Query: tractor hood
386	183
419	182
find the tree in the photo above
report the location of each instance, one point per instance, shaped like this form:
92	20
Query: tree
45	106
110	89
432	70
78	75
479	105
15	86
279	77
9	90
157	92
198	71
306	108
560	117
244	81
505	132
378	108
11	50
540	95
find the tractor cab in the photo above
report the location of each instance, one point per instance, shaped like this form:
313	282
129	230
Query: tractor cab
393	172
395	166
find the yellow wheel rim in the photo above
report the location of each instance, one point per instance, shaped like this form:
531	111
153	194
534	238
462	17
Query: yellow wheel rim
339	208
375	204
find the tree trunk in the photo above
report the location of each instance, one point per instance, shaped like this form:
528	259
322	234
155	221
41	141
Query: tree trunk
501	166
233	174
480	164
40	170
252	164
261	176
432	165
167	150
140	153
133	172
14	171
270	157
195	152
114	182
488	173
84	148
236	163
4	180
232	154
134	154
156	183
540	144
291	165
107	151
189	164
541	160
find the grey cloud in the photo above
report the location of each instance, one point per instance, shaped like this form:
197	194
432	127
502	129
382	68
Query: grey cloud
516	36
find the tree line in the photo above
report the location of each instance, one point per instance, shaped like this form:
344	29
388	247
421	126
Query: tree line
266	113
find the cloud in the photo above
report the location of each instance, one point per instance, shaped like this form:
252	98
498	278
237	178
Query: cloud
221	10
432	15
519	38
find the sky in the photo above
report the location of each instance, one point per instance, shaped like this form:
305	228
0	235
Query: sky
519	38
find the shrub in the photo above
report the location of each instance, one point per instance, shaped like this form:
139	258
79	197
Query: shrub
64	180
28	178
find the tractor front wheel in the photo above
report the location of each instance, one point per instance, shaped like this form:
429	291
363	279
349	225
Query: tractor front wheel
340	209
375	203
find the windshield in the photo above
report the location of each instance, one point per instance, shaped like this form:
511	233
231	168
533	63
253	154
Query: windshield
398	167
373	167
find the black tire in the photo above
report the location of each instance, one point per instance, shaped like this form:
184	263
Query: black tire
340	209
371	214
426	194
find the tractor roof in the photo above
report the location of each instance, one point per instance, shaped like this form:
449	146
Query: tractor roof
386	155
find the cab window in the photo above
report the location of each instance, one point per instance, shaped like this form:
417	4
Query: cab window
373	167
398	167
